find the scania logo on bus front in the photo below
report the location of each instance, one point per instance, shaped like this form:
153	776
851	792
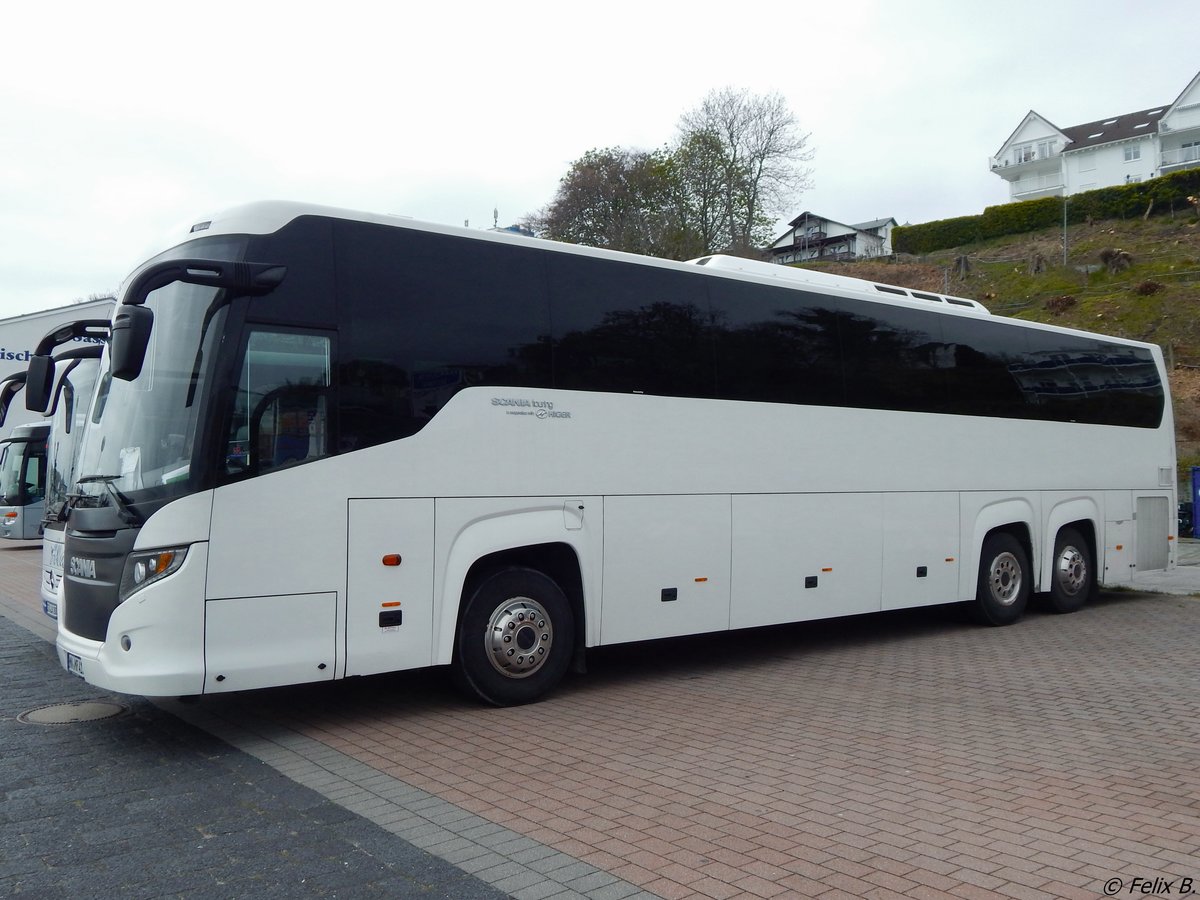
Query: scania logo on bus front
83	568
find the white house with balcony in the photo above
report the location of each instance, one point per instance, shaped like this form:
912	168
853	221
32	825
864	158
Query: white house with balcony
814	237
1039	159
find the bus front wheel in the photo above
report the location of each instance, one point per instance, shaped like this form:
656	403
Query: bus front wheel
515	639
1002	590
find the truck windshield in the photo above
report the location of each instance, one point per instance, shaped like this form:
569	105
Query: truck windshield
140	435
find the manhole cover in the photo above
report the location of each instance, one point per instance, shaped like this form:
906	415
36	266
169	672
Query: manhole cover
70	713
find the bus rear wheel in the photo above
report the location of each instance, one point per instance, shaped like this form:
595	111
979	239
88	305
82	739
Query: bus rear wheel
515	639
1073	578
1002	591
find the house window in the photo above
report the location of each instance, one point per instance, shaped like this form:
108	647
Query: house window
1045	149
1023	154
1132	179
1132	152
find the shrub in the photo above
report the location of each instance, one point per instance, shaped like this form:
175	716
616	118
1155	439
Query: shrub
1059	305
1179	189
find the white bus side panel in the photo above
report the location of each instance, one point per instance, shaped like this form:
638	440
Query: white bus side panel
804	556
389	608
256	642
920	549
1118	551
666	566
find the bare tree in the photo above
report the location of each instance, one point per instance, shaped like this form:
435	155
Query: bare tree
760	166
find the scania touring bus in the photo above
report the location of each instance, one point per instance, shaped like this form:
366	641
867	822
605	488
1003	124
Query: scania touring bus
68	413
327	444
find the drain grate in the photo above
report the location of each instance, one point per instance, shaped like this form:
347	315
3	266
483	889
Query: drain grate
71	713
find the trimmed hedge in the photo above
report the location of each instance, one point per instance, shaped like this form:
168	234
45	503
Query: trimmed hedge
1120	202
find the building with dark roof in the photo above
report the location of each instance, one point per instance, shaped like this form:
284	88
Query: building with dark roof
1039	159
810	236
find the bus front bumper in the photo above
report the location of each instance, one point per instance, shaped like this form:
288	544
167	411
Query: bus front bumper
154	645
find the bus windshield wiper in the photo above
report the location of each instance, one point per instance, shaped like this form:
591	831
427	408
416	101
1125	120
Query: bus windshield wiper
124	504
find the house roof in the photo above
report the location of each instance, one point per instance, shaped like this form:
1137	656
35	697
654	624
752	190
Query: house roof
1032	114
1183	94
874	223
1114	128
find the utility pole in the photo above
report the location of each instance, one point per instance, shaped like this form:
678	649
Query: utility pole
1064	226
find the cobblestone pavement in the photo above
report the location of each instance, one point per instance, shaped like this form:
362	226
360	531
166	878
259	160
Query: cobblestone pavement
145	805
897	755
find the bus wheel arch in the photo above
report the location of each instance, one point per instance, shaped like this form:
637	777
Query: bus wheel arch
1005	577
520	624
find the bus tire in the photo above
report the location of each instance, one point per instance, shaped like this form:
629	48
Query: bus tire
1002	591
1072	577
516	638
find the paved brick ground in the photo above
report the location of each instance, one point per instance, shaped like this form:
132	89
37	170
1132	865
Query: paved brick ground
904	755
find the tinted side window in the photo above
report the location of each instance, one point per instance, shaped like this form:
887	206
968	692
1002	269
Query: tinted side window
776	345
1082	379
629	328
895	358
422	316
987	359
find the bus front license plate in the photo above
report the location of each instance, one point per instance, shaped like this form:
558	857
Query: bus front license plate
74	665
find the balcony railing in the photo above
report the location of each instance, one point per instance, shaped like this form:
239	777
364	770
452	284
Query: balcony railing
1180	157
811	237
1037	184
1019	159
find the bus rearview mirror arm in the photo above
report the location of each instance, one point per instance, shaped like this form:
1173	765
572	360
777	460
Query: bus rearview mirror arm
133	321
39	382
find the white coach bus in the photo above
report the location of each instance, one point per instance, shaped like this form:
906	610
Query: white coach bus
68	409
328	444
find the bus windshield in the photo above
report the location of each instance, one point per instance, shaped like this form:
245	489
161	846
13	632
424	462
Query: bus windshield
20	471
141	433
66	429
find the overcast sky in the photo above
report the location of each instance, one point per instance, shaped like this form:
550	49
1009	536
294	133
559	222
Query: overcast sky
119	120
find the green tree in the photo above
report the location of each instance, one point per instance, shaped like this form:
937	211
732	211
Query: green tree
615	198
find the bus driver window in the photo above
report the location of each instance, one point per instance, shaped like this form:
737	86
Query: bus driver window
281	406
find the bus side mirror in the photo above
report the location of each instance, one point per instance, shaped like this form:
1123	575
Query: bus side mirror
39	382
131	328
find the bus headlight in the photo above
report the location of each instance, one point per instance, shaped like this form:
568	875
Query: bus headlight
145	567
